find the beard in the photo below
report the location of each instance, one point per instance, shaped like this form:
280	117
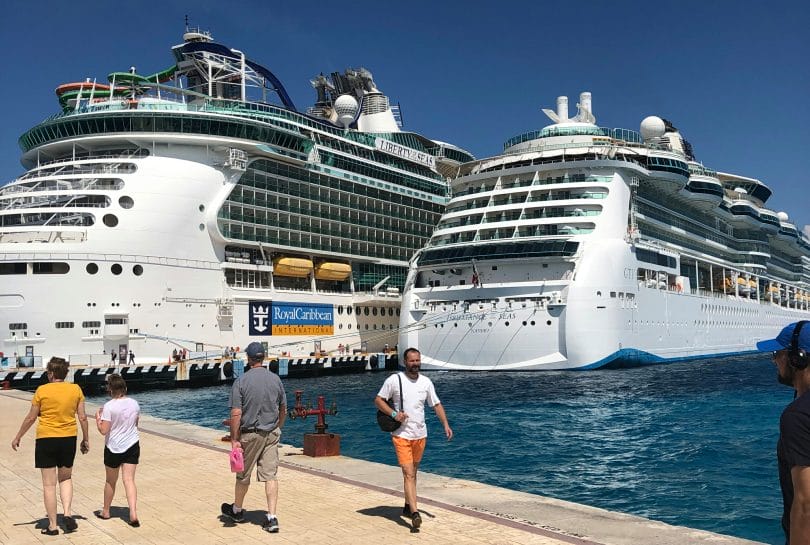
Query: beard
787	378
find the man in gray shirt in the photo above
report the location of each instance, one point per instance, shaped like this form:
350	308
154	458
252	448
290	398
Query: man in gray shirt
258	409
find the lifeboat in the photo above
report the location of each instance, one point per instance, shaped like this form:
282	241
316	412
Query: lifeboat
773	291
330	270
298	267
753	285
742	286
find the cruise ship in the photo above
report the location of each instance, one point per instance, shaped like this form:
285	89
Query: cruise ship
581	247
196	209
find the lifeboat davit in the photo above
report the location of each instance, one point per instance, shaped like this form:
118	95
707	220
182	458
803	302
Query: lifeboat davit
330	270
298	267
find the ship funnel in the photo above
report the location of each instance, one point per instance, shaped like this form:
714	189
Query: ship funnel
562	109
585	102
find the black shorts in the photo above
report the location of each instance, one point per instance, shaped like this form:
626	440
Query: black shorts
55	452
129	456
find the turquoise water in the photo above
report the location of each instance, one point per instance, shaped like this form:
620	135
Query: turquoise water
691	444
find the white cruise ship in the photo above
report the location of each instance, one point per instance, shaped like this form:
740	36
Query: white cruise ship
582	247
196	209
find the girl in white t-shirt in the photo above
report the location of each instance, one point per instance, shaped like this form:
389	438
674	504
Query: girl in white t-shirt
117	421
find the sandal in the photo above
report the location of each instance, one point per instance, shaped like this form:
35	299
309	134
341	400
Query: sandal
99	515
48	532
70	524
134	523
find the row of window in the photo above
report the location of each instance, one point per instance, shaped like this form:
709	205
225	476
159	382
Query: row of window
59	267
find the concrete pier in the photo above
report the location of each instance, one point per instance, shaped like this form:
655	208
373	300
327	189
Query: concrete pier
183	478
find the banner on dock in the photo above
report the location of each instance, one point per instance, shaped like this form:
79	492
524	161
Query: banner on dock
269	318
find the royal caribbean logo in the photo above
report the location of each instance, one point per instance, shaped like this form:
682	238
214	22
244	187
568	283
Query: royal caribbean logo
269	318
260	318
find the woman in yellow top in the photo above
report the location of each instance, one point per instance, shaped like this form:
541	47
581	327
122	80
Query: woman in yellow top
56	404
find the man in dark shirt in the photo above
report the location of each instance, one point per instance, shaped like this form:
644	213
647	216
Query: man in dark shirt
791	354
258	410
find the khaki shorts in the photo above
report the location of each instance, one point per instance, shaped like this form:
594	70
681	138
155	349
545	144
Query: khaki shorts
261	450
409	451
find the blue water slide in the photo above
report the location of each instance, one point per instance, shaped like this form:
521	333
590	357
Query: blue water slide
218	49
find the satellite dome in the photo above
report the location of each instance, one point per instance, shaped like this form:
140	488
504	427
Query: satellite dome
652	127
346	108
782	216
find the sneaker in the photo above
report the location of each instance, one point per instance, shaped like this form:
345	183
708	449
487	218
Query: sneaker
270	525
416	520
70	524
406	510
227	510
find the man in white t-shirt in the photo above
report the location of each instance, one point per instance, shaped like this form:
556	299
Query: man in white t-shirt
411	437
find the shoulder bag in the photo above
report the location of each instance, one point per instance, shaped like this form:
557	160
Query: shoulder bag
384	420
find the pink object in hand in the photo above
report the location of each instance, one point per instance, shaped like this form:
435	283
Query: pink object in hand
237	460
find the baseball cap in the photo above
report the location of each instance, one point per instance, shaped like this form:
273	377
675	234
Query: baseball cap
255	350
784	338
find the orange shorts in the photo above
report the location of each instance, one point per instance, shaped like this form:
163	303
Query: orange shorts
409	451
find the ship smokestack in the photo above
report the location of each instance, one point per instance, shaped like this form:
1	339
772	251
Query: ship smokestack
562	109
585	102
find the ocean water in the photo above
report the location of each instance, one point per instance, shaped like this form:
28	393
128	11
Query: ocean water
691	443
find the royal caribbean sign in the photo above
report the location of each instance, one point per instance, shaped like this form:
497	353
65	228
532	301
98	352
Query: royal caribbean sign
269	318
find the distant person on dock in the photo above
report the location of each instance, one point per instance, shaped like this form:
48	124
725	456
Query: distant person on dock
791	354
117	421
131	357
175	357
57	404
411	437
112	357
258	410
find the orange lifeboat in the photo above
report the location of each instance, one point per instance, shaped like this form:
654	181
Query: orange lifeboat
297	267
330	270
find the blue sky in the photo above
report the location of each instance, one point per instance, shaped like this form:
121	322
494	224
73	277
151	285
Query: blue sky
733	76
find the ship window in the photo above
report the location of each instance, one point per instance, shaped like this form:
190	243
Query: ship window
13	268
340	309
51	268
91	324
116	269
126	202
365	311
374	311
137	270
91	268
17	326
397	312
349	310
63	325
110	220
115	321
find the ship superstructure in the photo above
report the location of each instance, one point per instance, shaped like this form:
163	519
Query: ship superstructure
197	208
583	246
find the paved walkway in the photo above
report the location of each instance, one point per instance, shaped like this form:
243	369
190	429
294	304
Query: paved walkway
183	478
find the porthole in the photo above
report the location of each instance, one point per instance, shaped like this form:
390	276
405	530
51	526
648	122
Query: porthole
507	324
126	202
366	326
390	311
116	269
349	310
92	268
374	311
137	270
532	322
201	227
365	311
548	322
524	324
397	312
340	309
110	220
202	208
